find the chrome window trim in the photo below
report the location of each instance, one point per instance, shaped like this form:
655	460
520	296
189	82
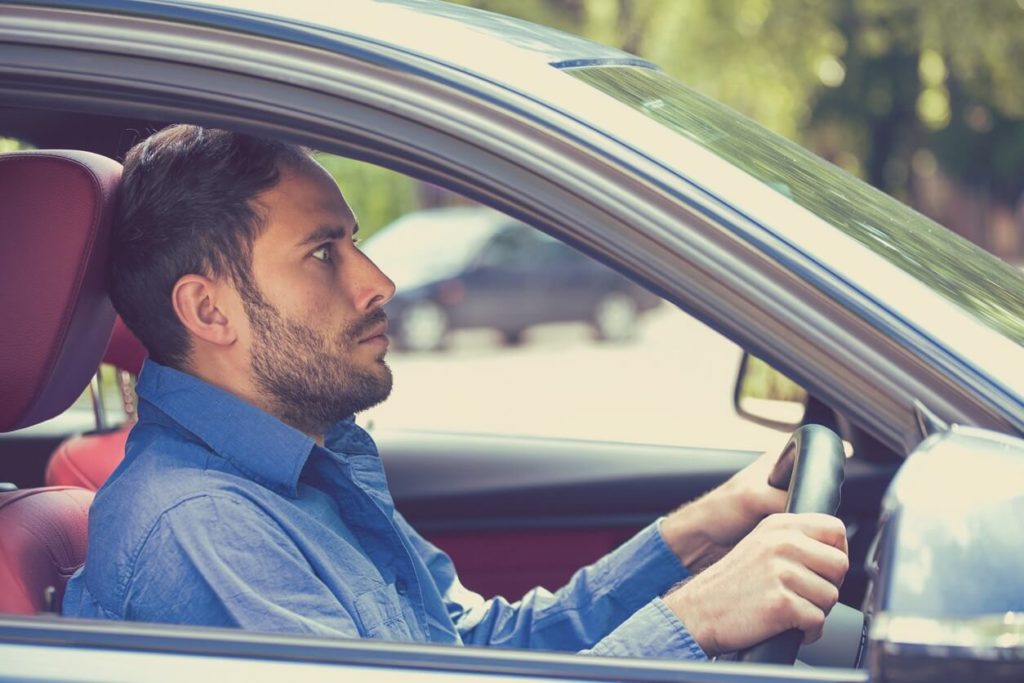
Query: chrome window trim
67	649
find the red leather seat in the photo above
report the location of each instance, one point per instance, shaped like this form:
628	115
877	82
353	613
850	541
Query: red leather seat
87	460
43	541
57	320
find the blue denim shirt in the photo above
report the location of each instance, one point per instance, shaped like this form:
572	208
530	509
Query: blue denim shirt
221	515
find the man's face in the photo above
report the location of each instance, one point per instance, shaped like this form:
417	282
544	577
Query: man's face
316	328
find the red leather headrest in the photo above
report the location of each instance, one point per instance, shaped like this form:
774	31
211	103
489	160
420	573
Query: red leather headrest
125	351
43	539
56	316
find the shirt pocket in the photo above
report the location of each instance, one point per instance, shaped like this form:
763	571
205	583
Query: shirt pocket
381	616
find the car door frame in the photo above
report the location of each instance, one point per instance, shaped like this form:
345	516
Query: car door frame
451	127
446	126
99	651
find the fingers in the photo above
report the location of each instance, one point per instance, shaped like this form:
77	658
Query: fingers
810	587
784	574
810	562
813	624
801	599
828	562
820	527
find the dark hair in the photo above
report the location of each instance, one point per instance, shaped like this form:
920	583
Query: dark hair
185	205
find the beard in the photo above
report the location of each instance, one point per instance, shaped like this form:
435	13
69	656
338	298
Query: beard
310	380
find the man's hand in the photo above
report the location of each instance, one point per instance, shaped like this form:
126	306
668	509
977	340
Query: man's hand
701	532
785	574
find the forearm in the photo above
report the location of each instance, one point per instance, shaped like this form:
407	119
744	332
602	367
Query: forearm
595	601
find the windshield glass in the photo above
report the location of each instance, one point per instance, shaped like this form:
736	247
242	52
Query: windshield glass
989	289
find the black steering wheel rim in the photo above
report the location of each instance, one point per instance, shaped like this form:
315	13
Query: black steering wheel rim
811	469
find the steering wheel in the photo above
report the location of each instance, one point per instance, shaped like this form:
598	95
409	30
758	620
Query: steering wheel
811	469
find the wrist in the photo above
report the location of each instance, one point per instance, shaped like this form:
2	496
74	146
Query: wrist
685	533
683	604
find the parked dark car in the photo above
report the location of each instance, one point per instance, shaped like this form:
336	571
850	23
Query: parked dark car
471	267
906	339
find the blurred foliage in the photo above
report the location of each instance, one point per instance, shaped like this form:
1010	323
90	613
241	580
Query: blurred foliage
12	145
762	381
886	89
963	273
377	195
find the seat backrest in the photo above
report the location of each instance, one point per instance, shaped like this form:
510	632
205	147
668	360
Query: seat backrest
87	460
57	319
125	351
43	538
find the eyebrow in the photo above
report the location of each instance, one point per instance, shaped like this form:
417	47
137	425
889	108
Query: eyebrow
326	233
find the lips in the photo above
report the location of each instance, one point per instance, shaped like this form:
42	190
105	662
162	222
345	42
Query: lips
379	330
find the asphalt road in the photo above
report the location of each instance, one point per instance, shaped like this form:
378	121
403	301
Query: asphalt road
671	385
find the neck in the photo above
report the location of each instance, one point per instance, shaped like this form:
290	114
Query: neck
238	381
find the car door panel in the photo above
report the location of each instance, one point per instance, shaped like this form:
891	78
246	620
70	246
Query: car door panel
517	512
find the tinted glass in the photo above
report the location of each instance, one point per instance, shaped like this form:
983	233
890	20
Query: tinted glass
989	289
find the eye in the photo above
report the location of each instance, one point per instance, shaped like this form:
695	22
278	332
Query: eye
323	253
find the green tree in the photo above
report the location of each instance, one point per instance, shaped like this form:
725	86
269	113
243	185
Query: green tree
890	90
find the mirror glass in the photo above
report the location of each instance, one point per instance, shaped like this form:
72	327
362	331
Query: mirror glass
766	396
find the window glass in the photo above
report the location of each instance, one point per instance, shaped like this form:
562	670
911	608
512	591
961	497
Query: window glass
981	284
118	397
12	145
497	328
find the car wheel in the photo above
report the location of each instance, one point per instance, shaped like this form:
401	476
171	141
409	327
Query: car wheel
615	317
423	326
512	337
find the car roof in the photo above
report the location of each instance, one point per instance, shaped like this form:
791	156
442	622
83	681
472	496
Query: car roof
447	32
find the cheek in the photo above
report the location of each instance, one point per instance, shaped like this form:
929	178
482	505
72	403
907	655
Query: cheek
326	316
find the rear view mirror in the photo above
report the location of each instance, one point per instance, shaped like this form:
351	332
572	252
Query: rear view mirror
766	396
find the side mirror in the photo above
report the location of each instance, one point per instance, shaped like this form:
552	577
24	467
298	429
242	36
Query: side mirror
946	600
766	396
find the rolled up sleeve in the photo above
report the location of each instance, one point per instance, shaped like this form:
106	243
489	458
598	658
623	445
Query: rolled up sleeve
653	631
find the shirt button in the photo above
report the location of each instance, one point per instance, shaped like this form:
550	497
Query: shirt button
401	586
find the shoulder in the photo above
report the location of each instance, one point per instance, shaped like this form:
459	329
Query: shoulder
167	487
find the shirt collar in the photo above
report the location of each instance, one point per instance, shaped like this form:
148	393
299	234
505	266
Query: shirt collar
262	447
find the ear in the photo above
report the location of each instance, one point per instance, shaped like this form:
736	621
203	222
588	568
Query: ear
199	304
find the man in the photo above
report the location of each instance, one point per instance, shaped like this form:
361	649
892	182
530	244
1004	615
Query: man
248	497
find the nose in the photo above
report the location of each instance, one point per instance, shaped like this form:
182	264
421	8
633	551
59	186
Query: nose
377	288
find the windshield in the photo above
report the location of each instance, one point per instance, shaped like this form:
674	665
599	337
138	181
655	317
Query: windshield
989	289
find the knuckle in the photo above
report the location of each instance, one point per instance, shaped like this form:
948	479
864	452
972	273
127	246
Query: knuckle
843	563
785	574
779	603
789	545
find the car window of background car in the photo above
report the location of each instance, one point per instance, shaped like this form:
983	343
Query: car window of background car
532	337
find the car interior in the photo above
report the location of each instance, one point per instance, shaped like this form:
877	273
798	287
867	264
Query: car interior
513	511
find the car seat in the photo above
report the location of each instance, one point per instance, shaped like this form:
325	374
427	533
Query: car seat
54	239
87	460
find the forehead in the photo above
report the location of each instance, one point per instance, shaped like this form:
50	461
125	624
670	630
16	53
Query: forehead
305	199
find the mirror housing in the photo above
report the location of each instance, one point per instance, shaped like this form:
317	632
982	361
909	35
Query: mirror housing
946	598
765	396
